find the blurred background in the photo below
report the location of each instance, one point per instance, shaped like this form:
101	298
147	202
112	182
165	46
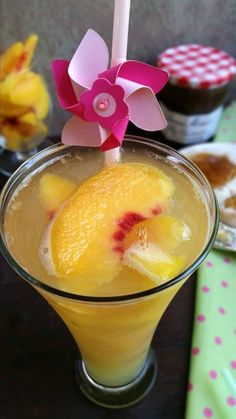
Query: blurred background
154	26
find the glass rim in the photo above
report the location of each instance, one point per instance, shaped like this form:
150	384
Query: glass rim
117	298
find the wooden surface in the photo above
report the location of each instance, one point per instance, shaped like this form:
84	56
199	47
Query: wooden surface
37	359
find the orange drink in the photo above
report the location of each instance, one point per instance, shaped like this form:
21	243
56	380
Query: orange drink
108	247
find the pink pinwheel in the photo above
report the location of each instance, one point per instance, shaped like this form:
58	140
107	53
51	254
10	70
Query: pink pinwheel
104	100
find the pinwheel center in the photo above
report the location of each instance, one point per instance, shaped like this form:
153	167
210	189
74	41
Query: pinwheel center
104	104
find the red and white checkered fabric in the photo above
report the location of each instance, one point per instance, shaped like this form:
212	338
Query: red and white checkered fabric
197	66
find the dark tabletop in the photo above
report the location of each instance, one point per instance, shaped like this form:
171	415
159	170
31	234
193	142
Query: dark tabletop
37	359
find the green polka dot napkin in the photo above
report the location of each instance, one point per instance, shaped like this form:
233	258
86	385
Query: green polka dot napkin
212	376
227	127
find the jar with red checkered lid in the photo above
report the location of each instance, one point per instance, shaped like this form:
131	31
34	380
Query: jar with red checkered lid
199	77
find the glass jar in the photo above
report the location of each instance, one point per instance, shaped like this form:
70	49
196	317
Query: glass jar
194	96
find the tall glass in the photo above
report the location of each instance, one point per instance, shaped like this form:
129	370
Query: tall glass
116	367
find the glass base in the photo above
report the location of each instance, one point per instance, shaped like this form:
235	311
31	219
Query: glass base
11	160
117	397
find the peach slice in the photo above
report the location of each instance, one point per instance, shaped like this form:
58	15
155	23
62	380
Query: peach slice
154	263
18	56
165	231
54	190
85	237
151	247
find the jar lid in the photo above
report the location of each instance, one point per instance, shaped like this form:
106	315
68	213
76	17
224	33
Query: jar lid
197	66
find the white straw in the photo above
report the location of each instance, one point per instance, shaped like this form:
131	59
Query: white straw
120	31
119	53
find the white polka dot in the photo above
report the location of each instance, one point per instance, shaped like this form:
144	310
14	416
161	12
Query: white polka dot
185	73
170	51
190	63
224	62
180	57
193	54
212	66
199	70
194	81
175	67
223	73
203	60
209	77
166	60
205	50
183	48
215	56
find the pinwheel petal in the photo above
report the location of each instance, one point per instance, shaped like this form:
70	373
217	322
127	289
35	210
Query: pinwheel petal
129	86
117	135
119	129
90	59
83	133
144	74
110	74
110	143
144	110
65	92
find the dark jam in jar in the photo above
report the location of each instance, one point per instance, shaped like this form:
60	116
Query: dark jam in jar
192	101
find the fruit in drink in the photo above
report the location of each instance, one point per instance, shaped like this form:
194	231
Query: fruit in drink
86	236
151	247
54	190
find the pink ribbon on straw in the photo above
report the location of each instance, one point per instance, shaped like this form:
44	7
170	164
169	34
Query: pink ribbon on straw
104	100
